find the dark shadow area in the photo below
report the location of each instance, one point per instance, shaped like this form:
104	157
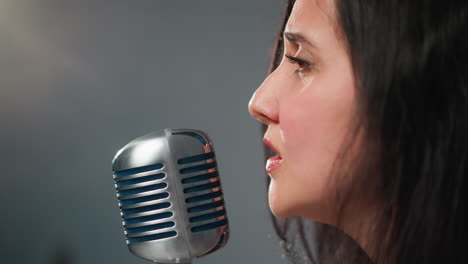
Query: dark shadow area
62	253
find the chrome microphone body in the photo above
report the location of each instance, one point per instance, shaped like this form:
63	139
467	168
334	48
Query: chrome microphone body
170	196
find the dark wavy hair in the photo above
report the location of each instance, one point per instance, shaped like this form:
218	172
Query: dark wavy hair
410	63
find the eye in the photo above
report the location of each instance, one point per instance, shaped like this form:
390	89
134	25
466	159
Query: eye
303	65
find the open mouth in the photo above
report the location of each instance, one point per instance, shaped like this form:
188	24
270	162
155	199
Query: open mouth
275	161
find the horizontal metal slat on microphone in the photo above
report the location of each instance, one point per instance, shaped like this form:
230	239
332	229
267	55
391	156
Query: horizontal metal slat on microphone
208	216
209	226
201	167
141	184
202	187
138	175
203	197
137	205
163	210
152	222
147	228
152	237
202	203
142	189
201	177
126	202
127	172
152	177
146	208
203	207
143	194
136	220
196	158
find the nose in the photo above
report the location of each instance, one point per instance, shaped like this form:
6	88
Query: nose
263	105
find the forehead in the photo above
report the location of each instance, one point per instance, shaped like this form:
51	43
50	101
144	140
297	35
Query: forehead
312	17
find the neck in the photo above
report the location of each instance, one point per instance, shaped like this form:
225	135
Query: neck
363	227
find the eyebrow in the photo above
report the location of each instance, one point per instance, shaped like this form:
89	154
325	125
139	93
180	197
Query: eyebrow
298	38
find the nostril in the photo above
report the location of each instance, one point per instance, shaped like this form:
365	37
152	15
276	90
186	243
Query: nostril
264	119
263	115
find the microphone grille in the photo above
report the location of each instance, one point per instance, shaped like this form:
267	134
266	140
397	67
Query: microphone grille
141	191
170	196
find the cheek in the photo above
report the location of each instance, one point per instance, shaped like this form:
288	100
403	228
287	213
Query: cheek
310	125
313	124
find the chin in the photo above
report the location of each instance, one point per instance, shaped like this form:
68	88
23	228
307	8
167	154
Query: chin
279	207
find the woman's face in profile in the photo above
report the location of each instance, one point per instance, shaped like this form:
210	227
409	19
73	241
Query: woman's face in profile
307	106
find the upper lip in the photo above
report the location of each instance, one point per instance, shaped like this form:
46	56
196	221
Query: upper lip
270	145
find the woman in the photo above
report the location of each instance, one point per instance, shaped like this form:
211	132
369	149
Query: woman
366	104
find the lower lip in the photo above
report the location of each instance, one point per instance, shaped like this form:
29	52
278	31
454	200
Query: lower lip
273	163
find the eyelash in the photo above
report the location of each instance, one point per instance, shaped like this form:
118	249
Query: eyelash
304	65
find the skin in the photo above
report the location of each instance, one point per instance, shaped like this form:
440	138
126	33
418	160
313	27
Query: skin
307	114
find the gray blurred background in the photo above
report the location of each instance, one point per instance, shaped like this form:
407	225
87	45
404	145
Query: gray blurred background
80	79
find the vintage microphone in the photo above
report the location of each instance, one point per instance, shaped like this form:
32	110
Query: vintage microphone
170	196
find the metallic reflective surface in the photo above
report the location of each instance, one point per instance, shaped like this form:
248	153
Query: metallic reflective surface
170	196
